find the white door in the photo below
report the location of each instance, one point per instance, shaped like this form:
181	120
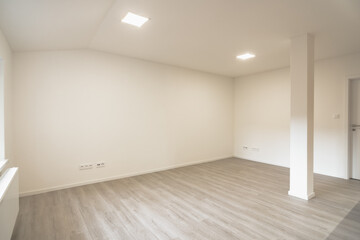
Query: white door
355	126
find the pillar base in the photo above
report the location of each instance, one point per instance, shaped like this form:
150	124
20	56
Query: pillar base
301	195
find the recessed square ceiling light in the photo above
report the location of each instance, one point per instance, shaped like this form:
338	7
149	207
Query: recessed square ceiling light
134	19
245	56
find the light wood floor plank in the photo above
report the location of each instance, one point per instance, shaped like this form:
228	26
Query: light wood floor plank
225	199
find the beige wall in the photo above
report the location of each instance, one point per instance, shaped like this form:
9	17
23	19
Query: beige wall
262	110
73	107
262	117
6	56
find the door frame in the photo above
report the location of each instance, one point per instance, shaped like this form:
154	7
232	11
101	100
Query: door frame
2	110
348	132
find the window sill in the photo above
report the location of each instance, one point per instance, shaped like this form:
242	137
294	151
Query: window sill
3	164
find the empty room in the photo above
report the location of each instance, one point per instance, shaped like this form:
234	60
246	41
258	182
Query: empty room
179	119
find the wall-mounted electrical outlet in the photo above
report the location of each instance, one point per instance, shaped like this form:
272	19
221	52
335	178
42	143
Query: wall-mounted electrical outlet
86	166
100	164
255	149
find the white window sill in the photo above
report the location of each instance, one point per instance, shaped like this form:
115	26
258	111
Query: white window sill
5	181
3	164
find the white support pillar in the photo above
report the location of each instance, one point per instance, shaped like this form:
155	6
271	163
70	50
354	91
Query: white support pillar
302	117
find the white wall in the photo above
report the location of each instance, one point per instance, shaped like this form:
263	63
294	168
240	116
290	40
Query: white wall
262	110
5	103
262	117
73	107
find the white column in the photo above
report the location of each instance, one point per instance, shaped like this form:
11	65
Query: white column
302	117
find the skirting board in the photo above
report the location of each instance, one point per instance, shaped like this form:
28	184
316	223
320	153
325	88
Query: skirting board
302	196
315	172
44	190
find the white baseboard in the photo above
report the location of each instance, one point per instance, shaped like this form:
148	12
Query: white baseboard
285	166
258	161
65	186
302	196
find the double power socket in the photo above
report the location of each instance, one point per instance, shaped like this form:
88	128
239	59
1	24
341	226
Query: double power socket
253	149
87	166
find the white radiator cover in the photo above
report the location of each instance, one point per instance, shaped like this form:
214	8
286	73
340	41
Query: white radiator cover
9	202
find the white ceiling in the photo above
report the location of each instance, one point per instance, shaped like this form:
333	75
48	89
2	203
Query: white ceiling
198	34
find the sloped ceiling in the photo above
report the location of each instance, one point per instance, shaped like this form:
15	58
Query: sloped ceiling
204	35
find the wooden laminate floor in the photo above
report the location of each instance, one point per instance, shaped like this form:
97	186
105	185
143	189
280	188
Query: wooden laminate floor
225	199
